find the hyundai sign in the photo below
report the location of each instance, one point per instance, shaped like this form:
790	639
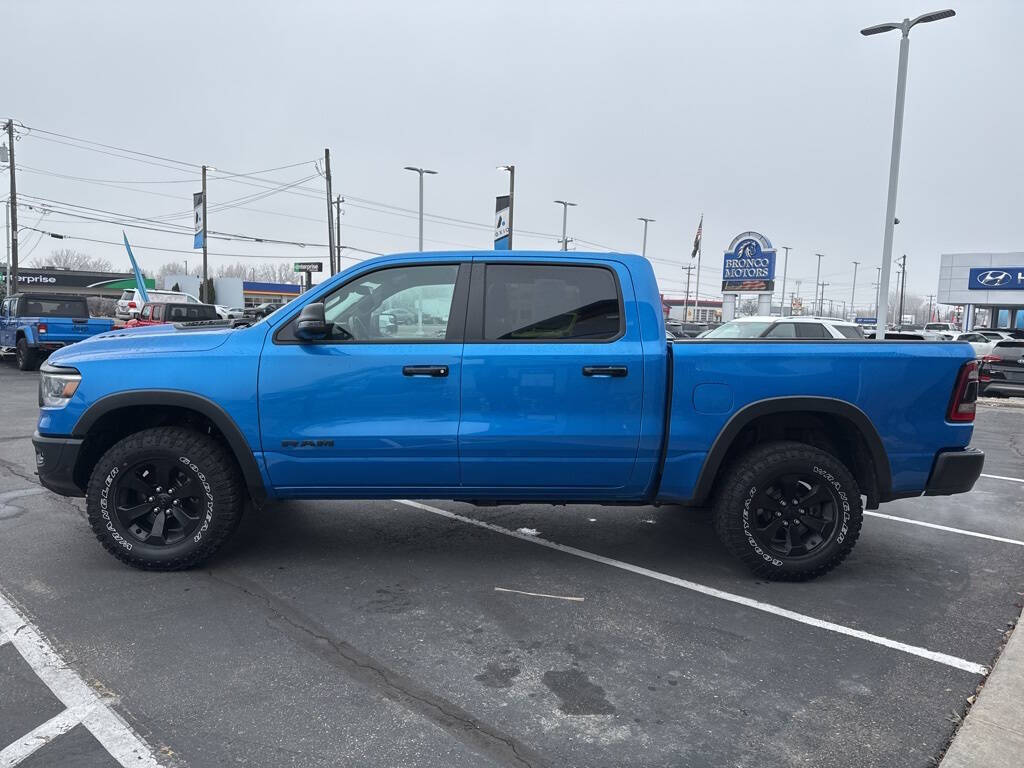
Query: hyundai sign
749	265
997	279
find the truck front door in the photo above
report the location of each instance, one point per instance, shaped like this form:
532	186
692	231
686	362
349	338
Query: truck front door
373	406
552	383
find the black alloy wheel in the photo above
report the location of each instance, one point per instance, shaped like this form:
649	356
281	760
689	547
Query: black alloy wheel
158	500
794	515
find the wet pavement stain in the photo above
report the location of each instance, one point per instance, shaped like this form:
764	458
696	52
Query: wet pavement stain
579	696
497	676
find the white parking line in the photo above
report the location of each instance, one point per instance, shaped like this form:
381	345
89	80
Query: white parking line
924	653
938	527
1002	477
60	723
83	704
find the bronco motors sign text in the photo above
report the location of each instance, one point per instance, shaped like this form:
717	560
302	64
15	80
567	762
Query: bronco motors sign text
749	265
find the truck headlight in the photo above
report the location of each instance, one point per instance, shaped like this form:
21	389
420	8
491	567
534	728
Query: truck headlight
57	385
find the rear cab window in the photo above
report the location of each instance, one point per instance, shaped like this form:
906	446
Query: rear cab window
72	306
551	302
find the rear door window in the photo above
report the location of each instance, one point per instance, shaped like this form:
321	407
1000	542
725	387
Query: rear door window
812	331
551	302
849	331
782	331
147	312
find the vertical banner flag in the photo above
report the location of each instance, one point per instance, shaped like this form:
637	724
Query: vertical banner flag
501	231
140	283
197	208
696	239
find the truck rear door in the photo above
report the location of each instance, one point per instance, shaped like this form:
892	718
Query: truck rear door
552	385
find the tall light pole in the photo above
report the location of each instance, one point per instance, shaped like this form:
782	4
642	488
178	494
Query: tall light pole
817	279
511	197
853	291
646	221
897	140
420	171
878	288
785	269
565	220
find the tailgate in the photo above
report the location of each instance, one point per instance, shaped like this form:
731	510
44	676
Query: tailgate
1009	366
72	329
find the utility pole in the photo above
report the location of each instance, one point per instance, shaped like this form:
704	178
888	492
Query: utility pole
821	298
13	202
646	221
686	301
878	288
7	236
204	292
330	211
336	266
931	296
817	279
565	218
853	291
785	269
903	287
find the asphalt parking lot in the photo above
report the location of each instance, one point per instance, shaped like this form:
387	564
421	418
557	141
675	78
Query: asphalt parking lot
381	633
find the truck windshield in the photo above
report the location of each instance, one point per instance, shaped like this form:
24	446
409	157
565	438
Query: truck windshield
734	330
72	306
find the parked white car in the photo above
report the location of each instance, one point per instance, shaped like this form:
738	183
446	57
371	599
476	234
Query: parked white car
795	327
982	344
947	331
130	303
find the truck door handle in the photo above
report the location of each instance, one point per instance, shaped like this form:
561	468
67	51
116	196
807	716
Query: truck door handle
611	371
437	371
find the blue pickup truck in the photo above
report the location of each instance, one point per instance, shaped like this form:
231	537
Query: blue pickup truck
493	378
34	325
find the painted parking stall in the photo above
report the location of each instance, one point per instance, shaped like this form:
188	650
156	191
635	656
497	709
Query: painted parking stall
388	633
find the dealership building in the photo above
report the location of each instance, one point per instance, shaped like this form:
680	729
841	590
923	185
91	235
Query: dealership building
989	287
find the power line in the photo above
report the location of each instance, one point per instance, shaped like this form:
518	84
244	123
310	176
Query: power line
61	236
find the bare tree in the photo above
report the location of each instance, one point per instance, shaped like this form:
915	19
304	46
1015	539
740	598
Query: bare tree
68	258
170	268
269	272
748	307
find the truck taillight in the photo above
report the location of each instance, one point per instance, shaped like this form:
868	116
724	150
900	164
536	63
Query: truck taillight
965	394
132	305
41	327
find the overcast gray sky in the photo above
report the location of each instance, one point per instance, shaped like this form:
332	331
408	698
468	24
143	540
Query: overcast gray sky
771	116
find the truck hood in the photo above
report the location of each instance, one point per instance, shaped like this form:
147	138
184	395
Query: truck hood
152	339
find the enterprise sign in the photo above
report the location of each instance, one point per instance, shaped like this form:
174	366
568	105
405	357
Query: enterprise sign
996	279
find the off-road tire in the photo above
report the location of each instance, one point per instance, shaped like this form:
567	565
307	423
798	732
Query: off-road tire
221	500
758	468
25	356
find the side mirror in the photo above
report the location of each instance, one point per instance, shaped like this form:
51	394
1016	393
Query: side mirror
311	323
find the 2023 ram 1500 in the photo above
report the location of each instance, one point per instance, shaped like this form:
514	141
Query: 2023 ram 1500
513	377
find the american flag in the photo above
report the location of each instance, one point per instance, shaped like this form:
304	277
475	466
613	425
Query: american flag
696	239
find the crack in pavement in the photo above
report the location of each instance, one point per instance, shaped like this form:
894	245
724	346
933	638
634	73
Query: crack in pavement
17	471
454	720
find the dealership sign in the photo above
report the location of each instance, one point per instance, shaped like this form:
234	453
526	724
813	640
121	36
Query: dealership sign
749	265
996	279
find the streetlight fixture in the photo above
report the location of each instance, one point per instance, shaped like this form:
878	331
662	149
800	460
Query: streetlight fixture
420	171
853	291
897	139
511	197
565	217
817	283
646	221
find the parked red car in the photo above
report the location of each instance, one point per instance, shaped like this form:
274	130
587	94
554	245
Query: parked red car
155	313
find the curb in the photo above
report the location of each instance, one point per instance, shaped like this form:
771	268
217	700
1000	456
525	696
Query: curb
992	735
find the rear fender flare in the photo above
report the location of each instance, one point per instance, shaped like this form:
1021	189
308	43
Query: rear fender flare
825	405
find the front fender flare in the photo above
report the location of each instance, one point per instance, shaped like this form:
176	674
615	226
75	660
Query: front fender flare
239	446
